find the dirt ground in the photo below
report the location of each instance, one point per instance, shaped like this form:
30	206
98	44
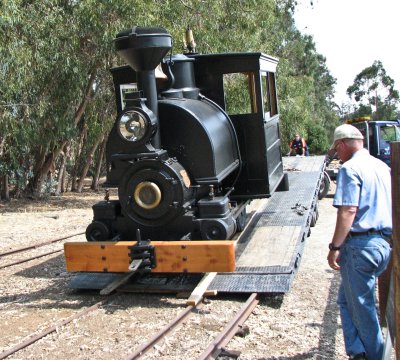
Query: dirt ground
305	324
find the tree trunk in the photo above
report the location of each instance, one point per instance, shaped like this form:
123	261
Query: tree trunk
35	188
44	165
74	175
64	180
61	176
62	170
87	96
95	183
66	176
2	144
6	188
89	160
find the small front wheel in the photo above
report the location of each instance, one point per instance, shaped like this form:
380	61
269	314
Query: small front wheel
97	231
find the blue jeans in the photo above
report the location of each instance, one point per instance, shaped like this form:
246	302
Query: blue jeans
362	259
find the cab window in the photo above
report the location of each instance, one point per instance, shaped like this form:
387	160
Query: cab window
239	92
269	94
387	134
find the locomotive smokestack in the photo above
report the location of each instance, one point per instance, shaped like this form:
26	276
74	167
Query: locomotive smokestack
143	49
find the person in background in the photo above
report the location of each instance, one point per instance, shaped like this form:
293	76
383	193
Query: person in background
298	146
360	246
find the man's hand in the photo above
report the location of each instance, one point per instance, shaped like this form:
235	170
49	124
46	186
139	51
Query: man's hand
344	220
333	259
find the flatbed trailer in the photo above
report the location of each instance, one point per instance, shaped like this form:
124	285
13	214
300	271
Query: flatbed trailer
267	253
270	250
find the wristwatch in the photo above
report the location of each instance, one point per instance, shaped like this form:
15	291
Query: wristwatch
333	247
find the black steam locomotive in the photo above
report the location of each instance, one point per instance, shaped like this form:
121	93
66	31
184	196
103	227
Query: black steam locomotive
190	148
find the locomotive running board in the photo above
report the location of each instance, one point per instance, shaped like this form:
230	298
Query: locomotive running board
171	256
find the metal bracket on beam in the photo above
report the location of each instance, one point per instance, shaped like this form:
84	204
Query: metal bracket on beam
143	255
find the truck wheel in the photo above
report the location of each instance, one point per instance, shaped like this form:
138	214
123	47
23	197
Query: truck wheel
324	187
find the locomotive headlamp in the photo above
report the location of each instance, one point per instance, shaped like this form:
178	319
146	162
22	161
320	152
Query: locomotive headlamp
133	125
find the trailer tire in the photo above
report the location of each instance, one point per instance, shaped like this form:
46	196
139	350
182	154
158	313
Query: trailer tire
324	186
241	221
313	221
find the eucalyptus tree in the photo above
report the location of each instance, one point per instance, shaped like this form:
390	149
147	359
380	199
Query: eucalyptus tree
305	89
305	84
53	53
372	89
57	89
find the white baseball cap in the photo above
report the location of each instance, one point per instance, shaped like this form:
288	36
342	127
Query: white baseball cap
346	131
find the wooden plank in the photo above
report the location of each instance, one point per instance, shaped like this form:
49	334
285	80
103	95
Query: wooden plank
395	161
172	256
200	289
270	246
116	283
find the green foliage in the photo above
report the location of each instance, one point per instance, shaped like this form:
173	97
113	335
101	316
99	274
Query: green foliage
317	138
56	57
373	88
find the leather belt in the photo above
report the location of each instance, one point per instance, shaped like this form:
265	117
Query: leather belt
369	232
386	237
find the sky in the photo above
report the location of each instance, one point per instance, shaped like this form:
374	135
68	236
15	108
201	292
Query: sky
352	34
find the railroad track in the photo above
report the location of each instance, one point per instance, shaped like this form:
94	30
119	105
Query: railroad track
34	247
34	337
215	347
212	350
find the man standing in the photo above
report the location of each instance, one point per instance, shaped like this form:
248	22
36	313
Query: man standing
360	246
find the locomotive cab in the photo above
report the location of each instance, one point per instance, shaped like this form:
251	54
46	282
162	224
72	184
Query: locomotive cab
244	86
187	154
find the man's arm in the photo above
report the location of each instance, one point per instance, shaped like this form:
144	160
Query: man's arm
290	147
303	147
344	220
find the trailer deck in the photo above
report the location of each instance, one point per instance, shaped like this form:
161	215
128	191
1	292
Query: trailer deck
268	251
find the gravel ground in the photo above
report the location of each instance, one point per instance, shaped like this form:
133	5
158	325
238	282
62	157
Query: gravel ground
304	324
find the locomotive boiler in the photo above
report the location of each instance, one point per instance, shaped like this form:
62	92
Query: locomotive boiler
192	144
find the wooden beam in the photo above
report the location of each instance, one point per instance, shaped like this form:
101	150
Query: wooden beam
172	256
395	163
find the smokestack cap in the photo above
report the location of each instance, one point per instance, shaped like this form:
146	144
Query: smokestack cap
143	48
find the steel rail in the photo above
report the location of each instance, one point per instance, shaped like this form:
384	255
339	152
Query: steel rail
216	347
37	245
29	259
141	350
33	338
